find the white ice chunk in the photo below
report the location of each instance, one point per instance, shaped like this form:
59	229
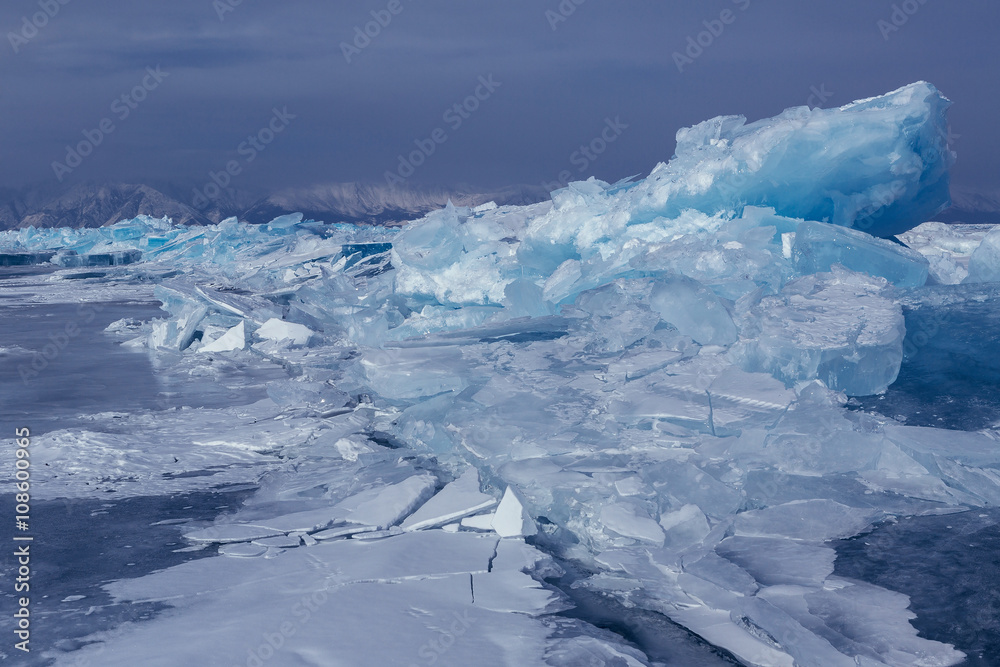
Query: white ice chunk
307	520
479	522
377	534
948	248
342	531
279	541
628	521
455	501
234	339
243	550
386	506
279	330
511	518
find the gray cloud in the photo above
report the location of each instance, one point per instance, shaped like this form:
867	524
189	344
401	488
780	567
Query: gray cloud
558	86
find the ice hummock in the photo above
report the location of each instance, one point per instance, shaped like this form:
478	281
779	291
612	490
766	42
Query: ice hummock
646	379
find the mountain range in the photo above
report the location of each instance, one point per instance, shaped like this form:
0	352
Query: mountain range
96	205
99	204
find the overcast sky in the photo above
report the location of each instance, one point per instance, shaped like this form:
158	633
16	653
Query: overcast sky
555	83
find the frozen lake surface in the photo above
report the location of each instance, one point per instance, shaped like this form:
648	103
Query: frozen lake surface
948	565
633	425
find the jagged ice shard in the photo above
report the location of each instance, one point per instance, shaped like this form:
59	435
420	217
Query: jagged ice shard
645	379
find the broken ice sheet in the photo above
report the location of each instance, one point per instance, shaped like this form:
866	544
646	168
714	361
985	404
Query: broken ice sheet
456	501
413	587
653	372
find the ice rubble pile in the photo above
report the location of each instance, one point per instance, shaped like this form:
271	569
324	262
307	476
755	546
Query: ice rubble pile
654	370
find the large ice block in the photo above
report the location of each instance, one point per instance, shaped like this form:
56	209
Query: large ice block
818	246
879	165
838	327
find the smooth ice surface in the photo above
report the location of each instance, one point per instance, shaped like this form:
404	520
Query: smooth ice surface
652	375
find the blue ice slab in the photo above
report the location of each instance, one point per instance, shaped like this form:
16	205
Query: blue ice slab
24	258
70	259
880	164
818	246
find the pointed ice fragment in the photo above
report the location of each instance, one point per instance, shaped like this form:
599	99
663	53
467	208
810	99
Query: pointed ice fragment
234	339
479	522
511	518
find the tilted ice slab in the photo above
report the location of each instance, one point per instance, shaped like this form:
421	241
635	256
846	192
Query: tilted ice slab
818	247
457	500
